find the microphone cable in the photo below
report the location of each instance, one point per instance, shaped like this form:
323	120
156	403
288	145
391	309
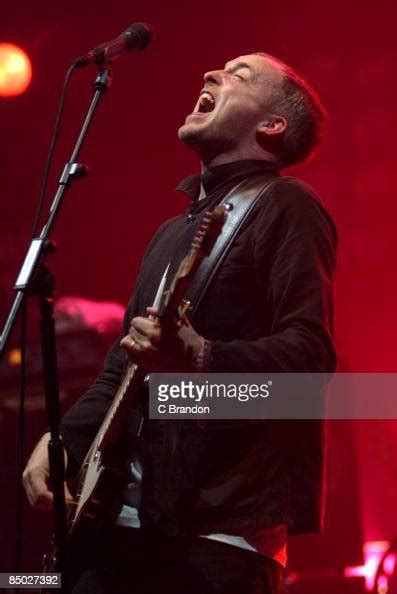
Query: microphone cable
51	149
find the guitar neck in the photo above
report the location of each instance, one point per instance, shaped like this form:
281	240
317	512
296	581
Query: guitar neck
115	419
180	285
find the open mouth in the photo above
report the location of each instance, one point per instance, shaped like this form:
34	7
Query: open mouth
205	103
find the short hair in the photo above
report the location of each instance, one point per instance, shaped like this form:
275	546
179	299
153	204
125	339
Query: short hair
299	103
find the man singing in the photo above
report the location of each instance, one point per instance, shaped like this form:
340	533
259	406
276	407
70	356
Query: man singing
206	508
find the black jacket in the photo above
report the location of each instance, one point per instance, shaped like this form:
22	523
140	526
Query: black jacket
269	309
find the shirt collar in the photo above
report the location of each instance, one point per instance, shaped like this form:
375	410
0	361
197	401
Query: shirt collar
213	178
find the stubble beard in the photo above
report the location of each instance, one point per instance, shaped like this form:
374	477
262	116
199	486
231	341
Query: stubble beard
206	143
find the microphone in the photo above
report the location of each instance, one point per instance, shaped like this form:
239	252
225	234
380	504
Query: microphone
135	38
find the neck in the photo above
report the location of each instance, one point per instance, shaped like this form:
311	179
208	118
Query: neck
236	155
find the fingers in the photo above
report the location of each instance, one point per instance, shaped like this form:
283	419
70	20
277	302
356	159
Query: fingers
144	335
184	321
37	491
35	477
36	474
68	496
160	349
130	344
145	328
134	342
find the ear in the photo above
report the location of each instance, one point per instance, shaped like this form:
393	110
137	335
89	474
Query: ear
271	128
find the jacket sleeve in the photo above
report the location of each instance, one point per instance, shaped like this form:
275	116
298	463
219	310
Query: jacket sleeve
294	254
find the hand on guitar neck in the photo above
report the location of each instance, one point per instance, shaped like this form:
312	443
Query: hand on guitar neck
173	348
36	477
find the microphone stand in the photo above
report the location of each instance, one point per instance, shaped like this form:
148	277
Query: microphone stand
35	279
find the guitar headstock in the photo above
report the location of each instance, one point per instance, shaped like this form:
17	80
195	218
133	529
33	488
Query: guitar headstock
201	246
210	228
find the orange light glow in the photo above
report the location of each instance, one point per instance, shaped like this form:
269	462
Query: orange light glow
14	357
15	70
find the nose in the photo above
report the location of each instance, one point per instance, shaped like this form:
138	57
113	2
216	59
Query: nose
214	77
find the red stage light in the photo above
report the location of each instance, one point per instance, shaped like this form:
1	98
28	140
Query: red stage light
15	70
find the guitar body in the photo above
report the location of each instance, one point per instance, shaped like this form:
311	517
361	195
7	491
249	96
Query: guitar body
93	504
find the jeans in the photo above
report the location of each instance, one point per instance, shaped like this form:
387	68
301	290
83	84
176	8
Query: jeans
127	561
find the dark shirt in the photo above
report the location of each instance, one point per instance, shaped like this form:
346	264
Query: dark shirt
269	309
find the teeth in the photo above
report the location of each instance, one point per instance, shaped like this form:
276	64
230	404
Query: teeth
206	96
205	103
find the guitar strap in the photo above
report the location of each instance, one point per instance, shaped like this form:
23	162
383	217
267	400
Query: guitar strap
239	202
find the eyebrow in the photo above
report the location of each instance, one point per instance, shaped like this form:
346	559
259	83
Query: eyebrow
238	66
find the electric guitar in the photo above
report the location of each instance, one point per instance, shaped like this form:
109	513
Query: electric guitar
90	495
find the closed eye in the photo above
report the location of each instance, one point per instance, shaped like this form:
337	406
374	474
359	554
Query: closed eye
239	76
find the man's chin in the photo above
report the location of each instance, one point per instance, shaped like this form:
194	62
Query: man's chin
188	133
